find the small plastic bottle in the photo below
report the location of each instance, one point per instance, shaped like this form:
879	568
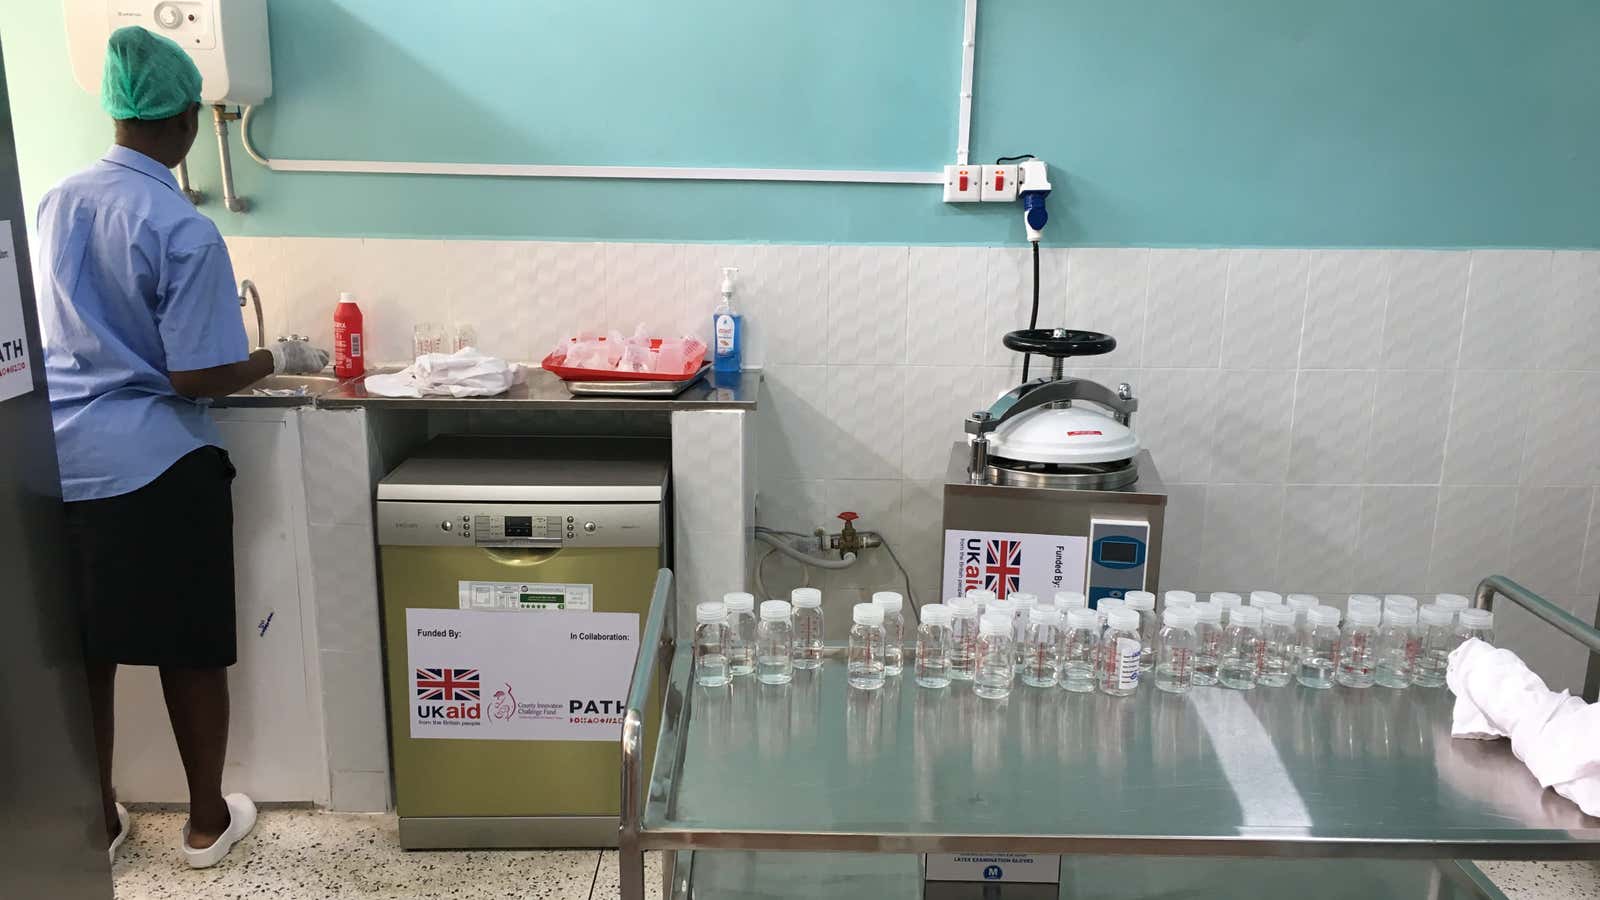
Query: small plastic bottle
1066	600
711	644
1176	649
741	633
996	670
864	668
1358	647
1001	606
1264	599
1475	623
775	644
1300	603
1282	640
1144	603
1208	643
1398	647
1227	600
1078	650
1362	601
933	647
894	631
1437	625
1243	650
983	597
963	637
1106	605
1319	647
1039	645
1022	603
807	603
1178	598
1399	601
1118	671
1453	602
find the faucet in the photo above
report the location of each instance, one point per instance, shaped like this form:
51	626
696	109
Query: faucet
249	287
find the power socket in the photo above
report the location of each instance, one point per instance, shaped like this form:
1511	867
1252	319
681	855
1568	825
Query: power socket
963	184
999	184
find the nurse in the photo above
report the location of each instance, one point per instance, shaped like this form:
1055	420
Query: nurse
141	325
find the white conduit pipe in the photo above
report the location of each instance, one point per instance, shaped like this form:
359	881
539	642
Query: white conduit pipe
969	46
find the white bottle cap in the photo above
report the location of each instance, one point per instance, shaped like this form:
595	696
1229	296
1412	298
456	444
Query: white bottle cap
1123	619
935	614
1247	616
1179	598
774	611
965	607
1434	614
867	614
1260	599
805	598
1180	616
1453	602
1361	616
1144	601
1107	604
346	297
1227	600
1323	615
1399	616
1071	600
1044	615
1022	600
992	624
1208	612
1363	601
1001	606
739	601
889	600
1300	602
1082	617
983	596
1277	615
1399	601
710	611
1475	618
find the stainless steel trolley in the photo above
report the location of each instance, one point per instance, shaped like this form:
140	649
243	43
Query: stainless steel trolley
811	790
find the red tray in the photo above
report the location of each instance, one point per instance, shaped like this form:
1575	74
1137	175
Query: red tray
696	359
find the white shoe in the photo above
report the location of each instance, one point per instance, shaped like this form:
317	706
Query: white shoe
241	818
124	825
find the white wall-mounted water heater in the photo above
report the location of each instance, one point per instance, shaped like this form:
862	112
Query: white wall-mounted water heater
226	38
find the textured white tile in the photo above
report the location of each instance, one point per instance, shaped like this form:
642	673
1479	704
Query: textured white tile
794	504
793	431
363	792
708	476
864	405
1251	441
1570	333
257	259
1177	419
1183	322
1332	422
334	449
569	288
1243	536
1010	297
1548	543
1182	538
1344	309
793	284
644	283
1396	538
1487	428
867	305
1265	309
1321	524
304	277
1106	290
947	302
344	572
1427	296
1507	297
490	286
352	700
937	401
1472	538
403	283
1411	411
921	541
1563	416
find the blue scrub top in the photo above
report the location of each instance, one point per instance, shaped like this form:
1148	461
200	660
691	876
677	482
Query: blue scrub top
133	283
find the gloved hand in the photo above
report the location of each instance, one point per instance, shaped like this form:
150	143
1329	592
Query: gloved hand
297	358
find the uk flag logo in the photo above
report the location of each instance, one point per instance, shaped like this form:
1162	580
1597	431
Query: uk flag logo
449	685
1002	567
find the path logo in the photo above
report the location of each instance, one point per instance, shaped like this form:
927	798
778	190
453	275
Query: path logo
454	694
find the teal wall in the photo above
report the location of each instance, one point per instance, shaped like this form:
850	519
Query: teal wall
1166	122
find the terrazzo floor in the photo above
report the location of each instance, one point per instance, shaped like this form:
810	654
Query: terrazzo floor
296	854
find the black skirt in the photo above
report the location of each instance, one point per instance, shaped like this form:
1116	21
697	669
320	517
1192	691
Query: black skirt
152	570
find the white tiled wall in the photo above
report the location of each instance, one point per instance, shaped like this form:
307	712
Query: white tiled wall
1329	421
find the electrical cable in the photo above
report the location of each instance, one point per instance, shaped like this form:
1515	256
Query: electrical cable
911	595
1006	159
1033	317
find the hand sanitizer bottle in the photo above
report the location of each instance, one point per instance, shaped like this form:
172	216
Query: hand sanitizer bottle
727	329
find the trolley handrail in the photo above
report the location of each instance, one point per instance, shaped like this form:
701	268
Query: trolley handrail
1564	621
654	645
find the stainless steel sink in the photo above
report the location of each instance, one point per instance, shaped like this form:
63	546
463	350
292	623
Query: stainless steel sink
269	390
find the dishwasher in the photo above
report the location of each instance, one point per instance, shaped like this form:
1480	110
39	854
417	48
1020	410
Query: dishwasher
516	572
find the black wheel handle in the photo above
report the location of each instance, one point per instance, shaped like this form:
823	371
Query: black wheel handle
1059	342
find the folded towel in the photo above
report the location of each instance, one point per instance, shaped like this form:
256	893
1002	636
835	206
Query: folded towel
464	373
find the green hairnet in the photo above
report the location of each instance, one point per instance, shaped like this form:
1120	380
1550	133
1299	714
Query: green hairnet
147	76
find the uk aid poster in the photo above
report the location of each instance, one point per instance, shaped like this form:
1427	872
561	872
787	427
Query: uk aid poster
15	377
1006	562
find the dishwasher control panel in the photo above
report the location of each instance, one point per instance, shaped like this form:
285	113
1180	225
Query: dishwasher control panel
543	525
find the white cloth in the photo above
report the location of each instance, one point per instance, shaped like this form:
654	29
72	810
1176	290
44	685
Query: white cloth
464	373
1557	736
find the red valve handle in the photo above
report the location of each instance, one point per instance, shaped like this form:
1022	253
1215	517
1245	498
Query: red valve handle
848	516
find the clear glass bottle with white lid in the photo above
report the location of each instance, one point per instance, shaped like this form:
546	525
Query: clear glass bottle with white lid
1398	647
1144	603
1399	601
894	631
864	664
1066	600
1438	635
741	632
983	597
1358	646
1242	650
933	646
807	619
1078	650
1118	671
1175	649
1264	599
1227	600
1319	647
995	667
1281	654
711	644
1362	601
1208	643
1455	603
1106	605
1178	598
1475	623
963	637
775	643
1039	646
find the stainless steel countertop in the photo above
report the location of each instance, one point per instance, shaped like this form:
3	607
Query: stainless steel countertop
545	391
1272	772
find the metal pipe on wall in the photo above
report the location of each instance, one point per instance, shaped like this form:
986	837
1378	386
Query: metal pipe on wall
219	121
